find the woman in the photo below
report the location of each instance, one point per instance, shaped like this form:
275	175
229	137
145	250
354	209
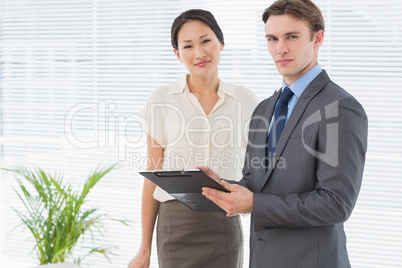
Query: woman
199	120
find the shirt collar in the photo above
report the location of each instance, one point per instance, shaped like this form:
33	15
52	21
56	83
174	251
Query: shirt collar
301	84
181	86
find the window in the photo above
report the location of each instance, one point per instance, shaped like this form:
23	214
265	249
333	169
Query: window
74	73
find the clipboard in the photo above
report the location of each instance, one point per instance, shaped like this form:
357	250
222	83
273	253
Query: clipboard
186	187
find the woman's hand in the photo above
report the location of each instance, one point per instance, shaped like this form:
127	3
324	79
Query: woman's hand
210	173
141	260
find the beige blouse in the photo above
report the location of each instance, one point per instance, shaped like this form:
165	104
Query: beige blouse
175	119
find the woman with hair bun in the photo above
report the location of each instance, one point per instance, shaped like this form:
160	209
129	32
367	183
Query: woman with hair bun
198	120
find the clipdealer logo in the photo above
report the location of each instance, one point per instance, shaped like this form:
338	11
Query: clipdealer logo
98	125
109	129
331	155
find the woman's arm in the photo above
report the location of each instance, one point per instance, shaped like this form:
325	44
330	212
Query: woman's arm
149	207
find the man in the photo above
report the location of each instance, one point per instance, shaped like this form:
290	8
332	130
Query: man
301	187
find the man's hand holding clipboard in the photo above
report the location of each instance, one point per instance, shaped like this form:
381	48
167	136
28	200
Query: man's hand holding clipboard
237	200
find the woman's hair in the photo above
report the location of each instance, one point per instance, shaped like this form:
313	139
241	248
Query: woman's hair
195	14
301	9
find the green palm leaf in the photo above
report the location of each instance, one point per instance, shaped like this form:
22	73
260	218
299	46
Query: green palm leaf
55	215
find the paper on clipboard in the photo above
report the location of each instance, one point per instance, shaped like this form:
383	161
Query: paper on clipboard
186	187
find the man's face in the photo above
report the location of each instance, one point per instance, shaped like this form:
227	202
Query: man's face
292	46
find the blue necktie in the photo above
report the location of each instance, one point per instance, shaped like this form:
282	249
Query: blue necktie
279	118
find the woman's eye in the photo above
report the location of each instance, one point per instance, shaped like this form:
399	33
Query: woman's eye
186	47
206	41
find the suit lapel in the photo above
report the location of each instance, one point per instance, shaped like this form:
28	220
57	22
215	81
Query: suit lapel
260	138
267	114
308	94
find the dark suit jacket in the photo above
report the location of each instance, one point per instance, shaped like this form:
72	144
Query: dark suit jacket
308	191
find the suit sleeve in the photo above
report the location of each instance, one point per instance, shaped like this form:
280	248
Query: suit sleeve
337	183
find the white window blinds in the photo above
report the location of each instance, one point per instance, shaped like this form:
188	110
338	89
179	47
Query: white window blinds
74	74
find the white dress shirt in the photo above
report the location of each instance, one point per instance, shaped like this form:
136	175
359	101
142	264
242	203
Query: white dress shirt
175	119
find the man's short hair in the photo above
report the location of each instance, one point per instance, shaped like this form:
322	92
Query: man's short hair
304	10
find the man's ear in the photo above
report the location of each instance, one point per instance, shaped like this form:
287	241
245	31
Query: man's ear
319	39
177	53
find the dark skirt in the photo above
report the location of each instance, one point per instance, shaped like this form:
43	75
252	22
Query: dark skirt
189	239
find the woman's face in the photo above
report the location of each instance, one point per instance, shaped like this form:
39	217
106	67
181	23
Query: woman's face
198	48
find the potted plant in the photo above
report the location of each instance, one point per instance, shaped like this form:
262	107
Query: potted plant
56	215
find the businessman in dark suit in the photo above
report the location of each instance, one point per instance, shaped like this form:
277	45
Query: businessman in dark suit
302	185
